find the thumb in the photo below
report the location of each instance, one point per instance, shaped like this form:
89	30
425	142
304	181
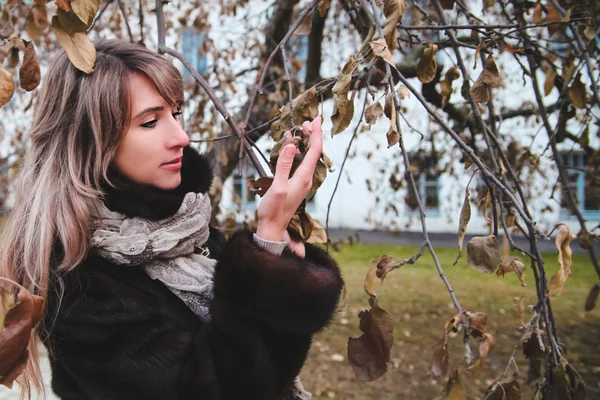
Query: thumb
284	164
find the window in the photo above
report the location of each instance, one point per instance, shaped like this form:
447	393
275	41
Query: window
584	185
427	181
299	47
193	50
240	189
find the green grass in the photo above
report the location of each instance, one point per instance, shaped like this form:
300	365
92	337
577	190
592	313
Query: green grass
419	303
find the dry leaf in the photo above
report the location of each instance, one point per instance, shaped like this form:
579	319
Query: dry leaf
508	389
343	109
369	354
483	253
29	73
553	15
20	316
260	185
480	92
323	7
80	50
485	203
305	26
372	113
393	136
549	81
577	93
533	345
565	259
369	284
85	9
567	383
589	33
403	92
486	345
64	4
427	67
318	234
447	4
515	265
477	323
590	302
465	217
7	86
490	73
393	10
454	388
518	309
306	107
380	49
537	14
441	358
446	84
385	265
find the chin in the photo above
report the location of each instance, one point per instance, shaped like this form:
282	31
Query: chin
169	184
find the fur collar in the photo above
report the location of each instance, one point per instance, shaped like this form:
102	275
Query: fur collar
145	201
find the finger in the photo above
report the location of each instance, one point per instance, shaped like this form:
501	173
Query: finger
284	166
316	148
306	127
288	137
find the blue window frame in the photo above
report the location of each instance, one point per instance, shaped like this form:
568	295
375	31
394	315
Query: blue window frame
240	189
192	48
428	185
586	190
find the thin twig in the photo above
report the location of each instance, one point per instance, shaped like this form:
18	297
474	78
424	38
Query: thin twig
141	19
213	139
122	8
99	15
289	82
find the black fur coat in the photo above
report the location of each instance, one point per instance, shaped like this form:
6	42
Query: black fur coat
117	334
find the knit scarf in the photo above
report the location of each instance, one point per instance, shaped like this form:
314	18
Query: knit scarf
165	249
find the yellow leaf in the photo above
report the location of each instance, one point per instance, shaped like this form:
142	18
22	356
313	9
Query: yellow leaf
29	73
465	217
393	10
7	86
565	259
80	50
427	67
85	9
380	49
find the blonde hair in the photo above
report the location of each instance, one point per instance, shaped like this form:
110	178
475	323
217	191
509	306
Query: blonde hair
77	126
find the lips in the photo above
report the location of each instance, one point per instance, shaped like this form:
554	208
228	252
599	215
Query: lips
173	165
174	161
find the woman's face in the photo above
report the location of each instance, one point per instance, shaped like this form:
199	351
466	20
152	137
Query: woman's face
151	151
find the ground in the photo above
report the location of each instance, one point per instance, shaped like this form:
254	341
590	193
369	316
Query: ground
419	304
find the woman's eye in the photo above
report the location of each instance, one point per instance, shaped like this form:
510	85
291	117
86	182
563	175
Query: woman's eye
177	114
149	124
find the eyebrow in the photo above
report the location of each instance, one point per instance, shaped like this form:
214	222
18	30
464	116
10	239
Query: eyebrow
149	110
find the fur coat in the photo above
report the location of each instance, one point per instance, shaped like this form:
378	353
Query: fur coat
114	333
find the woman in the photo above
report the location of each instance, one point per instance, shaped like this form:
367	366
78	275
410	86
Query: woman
144	298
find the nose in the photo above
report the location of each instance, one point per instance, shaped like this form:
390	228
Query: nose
177	136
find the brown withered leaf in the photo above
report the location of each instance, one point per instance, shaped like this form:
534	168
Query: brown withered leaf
380	49
318	233
70	22
393	11
480	92
454	388
565	259
403	92
533	345
508	389
369	354
20	316
577	93
592	298
485	203
589	33
465	217
486	345
305	26
483	253
385	265
36	22
549	81
393	136
306	107
489	78
441	358
343	109
29	73
86	10
584	237
567	383
514	265
447	4
446	84
372	113
552	15
80	50
318	177
477	323
260	185
7	86
63	4
427	66
323	7
369	284
537	14
518	309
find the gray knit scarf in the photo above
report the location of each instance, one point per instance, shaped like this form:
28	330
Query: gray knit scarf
165	248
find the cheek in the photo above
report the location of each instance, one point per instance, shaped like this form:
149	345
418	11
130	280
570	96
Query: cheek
134	156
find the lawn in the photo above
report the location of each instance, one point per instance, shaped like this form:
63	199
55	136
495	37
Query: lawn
417	299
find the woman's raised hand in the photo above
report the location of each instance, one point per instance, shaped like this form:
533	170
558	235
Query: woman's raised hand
280	202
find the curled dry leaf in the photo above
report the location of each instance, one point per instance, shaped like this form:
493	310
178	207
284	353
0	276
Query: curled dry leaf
446	84
584	238
63	4
323	7
304	228
485	203
518	309
441	358
454	388
577	93
447	4
29	73
553	15
465	217
533	345
549	81
343	109
393	11
21	311
369	284
369	354
306	107
590	302
260	185
403	92
537	14
380	49
489	78
565	259
393	136
305	26
483	253
477	322
427	67
567	384
80	50
7	86
486	345
37	22
385	265
85	9
515	265
372	113
508	389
